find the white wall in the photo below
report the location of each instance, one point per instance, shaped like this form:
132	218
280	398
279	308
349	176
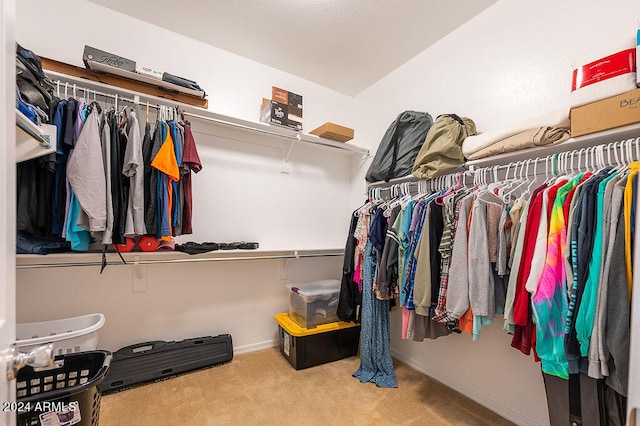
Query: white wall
202	299
511	62
235	85
240	194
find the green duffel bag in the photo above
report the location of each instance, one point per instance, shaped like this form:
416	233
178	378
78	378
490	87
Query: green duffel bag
441	151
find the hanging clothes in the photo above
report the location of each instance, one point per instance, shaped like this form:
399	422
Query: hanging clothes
350	300
85	171
103	165
376	364
133	168
190	163
166	164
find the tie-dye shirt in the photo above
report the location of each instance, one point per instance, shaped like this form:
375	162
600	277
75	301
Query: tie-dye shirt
549	302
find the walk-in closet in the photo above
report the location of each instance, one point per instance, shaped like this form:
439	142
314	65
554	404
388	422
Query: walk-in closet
264	209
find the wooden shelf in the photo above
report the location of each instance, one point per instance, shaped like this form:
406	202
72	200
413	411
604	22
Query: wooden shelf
124	83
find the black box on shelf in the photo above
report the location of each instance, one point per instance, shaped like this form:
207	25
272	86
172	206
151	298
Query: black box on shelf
91	54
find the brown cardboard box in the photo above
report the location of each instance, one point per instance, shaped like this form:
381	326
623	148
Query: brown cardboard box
333	131
609	113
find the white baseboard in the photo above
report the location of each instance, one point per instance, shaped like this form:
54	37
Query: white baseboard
478	397
255	347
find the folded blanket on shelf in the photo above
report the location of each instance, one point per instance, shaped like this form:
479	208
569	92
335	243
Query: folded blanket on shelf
539	136
558	118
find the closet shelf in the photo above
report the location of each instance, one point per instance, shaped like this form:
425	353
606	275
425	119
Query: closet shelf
601	138
204	116
33	140
62	260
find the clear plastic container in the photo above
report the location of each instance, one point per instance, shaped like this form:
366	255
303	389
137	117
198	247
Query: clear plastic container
314	303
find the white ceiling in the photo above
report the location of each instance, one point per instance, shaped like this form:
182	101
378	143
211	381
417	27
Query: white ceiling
345	45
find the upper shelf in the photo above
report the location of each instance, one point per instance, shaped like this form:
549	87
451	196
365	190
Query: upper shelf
631	131
154	88
205	116
33	140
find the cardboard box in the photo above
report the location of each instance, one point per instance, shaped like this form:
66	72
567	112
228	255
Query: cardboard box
609	113
273	112
91	54
334	132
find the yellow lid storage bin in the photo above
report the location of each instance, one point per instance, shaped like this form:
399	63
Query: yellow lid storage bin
305	348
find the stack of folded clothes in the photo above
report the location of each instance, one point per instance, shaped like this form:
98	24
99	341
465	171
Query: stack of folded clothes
545	130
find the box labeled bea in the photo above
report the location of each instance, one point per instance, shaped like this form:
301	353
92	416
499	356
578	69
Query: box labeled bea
609	113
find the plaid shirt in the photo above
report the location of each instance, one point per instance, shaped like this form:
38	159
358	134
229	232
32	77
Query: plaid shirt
445	249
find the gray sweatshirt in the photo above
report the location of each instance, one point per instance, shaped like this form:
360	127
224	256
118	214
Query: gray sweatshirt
616	330
458	288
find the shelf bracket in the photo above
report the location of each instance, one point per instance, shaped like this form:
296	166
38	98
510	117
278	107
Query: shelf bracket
285	166
283	269
43	140
139	276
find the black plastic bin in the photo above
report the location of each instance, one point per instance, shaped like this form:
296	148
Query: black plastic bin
66	391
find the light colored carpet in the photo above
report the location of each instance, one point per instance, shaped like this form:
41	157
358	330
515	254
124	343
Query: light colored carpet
262	388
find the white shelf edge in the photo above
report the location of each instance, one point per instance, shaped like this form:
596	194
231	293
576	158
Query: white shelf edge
80	259
205	115
27	146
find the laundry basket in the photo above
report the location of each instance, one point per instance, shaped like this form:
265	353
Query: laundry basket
67	393
68	335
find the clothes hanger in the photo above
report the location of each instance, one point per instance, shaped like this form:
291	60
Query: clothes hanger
521	180
533	179
508	183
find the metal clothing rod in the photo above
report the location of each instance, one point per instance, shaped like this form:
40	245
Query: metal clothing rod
189	260
39	138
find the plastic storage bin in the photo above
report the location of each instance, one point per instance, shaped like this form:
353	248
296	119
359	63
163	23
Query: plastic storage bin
314	303
68	335
305	348
65	394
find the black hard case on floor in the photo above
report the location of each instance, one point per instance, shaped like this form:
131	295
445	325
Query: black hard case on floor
159	360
